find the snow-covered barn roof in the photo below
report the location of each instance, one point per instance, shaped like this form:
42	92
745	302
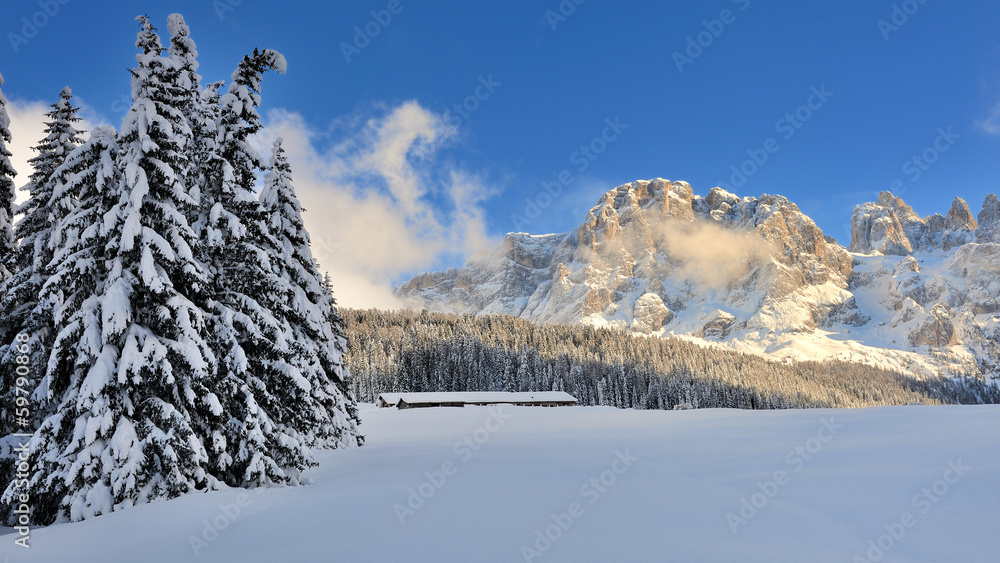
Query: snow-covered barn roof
477	398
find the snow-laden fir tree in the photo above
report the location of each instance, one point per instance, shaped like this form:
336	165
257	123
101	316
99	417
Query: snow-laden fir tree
190	345
38	229
70	445
183	54
146	401
7	195
90	176
257	379
152	299
204	124
328	414
39	232
8	246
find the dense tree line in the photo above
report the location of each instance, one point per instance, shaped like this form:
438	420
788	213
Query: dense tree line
165	328
409	351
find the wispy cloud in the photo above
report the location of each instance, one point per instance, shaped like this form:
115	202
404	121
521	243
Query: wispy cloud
380	203
991	124
710	254
27	126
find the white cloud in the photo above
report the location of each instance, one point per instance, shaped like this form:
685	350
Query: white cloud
379	204
708	253
27	127
992	122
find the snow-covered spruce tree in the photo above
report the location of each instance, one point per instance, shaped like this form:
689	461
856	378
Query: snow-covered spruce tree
79	268
7	196
90	175
146	403
328	416
204	124
39	234
259	380
201	118
184	55
8	246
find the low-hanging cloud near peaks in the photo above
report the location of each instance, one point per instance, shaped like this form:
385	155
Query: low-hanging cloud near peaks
710	254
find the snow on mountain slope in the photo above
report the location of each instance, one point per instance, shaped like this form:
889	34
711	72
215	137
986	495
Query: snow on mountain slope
753	274
799	485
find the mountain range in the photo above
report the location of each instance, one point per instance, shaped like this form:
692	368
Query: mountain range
753	274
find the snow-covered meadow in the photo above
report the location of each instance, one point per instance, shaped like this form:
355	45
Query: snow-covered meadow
916	483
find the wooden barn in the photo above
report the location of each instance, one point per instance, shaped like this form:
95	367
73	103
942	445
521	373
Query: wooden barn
461	399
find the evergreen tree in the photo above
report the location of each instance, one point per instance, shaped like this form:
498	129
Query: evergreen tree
39	232
204	125
39	223
189	344
91	177
183	55
8	247
7	197
71	378
157	287
145	404
329	414
257	377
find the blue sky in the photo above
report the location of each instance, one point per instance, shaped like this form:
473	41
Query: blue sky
377	134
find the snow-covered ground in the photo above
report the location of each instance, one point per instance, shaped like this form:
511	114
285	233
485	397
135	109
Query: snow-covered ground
595	484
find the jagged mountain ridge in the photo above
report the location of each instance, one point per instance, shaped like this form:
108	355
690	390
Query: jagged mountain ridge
889	226
755	275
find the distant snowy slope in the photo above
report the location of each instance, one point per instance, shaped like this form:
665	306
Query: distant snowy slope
920	295
627	486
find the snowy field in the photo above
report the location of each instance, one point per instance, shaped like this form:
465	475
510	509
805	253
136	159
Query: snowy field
595	484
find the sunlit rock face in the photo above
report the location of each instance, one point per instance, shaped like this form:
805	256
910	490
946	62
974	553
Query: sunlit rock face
752	273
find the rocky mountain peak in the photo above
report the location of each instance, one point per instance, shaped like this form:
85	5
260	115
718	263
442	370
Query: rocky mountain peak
890	227
989	220
752	273
887	199
875	227
959	217
641	252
